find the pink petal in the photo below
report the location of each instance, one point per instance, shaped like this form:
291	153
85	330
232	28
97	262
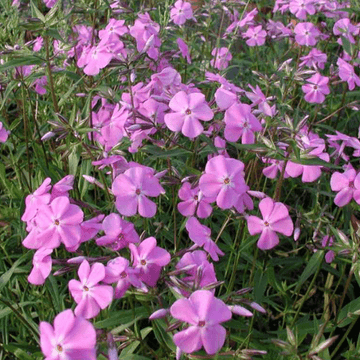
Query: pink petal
283	226
174	121
103	295
179	102
188	340
191	127
84	271
147	208
343	197
87	308
213	338
184	310
97	273
126	205
46	338
255	225
268	239
266	207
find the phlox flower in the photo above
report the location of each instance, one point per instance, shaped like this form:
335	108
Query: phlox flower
347	73
240	122
347	185
306	33
188	109
201	236
181	12
316	89
275	167
41	266
343	27
97	58
256	36
132	189
258	98
222	58
89	296
50	3
62	187
71	338
120	272
275	220
315	59
194	201
119	233
200	271
300	8
3	133
223	179
184	49
57	222
204	313
91	227
114	29
150	259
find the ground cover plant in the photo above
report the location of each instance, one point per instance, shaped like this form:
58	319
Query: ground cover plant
179	179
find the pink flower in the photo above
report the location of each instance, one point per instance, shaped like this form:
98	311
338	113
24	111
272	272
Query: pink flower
258	98
317	88
119	233
347	185
347	73
38	44
201	236
328	241
181	12
97	58
71	338
3	133
256	36
306	34
315	59
50	3
188	109
58	222
194	201
114	29
150	259
240	122
131	190
300	8
204	313
223	179
118	270
184	49
343	27
275	220
222	58
90	296
42	266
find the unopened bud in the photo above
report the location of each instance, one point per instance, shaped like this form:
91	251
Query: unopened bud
48	136
112	352
159	314
239	310
173	326
324	345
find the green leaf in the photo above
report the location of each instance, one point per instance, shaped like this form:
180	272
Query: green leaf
24	60
345	315
315	261
36	12
74	159
123	317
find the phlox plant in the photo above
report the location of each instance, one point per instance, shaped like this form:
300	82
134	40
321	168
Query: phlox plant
179	179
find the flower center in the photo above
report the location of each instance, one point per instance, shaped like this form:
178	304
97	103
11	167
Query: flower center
188	112
123	275
143	262
86	288
57	222
201	323
266	223
196	198
226	181
59	348
138	192
315	87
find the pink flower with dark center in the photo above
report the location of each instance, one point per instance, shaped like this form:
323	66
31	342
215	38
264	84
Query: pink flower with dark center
58	222
188	109
119	233
42	266
306	33
201	236
90	296
150	259
118	270
240	122
316	89
132	189
347	185
347	73
343	27
222	58
275	220
204	313
71	338
256	36
194	201
181	12
223	179
114	29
